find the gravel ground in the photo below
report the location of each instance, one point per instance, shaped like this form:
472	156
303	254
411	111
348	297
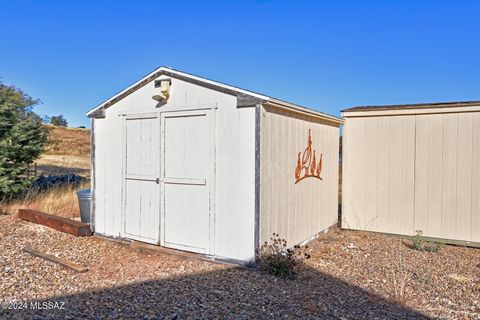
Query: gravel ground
444	284
351	275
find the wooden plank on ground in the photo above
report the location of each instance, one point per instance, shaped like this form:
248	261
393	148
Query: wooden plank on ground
137	245
72	227
62	262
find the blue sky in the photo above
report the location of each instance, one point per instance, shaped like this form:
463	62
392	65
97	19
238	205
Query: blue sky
326	55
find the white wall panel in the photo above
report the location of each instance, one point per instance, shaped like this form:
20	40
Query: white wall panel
100	148
235	188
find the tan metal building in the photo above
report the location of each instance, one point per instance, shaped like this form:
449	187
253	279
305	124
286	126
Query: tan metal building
413	167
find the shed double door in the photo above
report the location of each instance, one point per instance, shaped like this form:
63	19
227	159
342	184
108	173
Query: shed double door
167	186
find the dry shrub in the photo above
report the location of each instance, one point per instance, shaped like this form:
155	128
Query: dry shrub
399	277
60	201
277	259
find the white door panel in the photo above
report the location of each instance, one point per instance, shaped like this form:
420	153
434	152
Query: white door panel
187	217
142	172
186	160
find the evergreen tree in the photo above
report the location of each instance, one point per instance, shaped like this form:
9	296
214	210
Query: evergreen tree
22	139
59	121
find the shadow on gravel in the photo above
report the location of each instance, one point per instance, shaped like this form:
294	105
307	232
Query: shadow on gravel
226	294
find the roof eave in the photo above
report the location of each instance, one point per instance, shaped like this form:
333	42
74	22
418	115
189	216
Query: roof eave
302	110
245	98
413	106
376	112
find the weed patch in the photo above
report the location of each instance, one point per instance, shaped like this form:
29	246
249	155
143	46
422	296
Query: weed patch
277	259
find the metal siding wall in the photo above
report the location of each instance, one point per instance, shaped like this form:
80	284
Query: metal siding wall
413	172
296	211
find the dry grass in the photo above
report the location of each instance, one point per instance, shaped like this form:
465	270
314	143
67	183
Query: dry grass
68	152
68	141
60	201
400	276
60	164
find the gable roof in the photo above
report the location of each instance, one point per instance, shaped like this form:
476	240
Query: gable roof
244	97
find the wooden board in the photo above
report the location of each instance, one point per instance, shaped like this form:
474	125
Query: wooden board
72	227
49	257
137	245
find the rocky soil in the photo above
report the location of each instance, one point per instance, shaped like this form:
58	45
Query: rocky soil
350	275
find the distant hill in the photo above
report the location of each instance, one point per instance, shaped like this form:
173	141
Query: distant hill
68	151
68	141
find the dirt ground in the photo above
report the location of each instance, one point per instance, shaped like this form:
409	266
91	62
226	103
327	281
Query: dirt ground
351	275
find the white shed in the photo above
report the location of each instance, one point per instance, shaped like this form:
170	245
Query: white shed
413	167
193	164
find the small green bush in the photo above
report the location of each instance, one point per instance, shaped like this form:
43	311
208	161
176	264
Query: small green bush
277	259
419	243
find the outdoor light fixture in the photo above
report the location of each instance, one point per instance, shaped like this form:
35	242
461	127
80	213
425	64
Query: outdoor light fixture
162	90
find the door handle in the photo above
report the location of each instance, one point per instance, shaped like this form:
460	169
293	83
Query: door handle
157	181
